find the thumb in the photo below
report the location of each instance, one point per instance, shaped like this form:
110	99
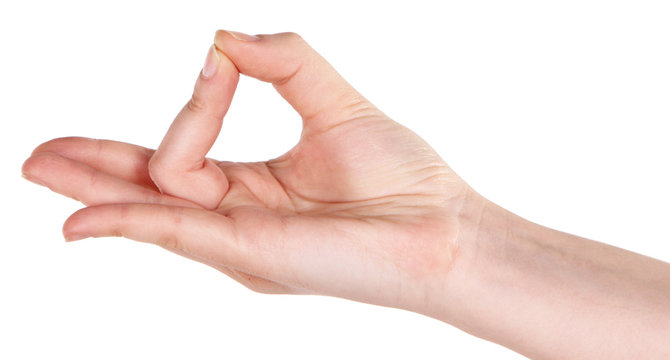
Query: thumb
302	77
179	166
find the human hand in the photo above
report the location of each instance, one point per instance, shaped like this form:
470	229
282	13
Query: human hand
360	208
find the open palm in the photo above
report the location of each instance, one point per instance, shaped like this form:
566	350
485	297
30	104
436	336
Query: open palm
359	206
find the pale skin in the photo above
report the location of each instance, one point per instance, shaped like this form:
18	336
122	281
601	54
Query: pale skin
361	208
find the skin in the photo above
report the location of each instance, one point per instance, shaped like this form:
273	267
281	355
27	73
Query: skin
360	208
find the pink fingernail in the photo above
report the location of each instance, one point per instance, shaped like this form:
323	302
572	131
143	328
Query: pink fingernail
242	36
211	63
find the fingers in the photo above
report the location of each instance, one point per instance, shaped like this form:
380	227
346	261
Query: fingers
179	166
196	232
306	80
88	185
122	160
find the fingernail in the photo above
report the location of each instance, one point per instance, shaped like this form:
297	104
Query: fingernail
75	237
211	63
32	180
242	36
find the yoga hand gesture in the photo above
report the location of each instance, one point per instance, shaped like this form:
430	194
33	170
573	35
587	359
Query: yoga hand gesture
360	208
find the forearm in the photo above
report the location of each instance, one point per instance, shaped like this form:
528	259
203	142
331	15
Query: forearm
547	294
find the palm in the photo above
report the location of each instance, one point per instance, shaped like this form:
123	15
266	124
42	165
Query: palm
325	182
344	170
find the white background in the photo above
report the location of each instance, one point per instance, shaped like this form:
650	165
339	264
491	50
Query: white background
555	110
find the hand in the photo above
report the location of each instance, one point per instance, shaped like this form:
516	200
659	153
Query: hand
360	208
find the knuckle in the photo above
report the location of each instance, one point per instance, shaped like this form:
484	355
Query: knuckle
169	241
196	103
172	239
156	165
93	179
159	171
125	212
293	37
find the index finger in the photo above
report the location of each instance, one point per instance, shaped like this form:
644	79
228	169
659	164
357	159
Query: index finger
180	167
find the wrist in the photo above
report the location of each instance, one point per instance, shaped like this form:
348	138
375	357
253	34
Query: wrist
497	271
482	236
548	294
502	271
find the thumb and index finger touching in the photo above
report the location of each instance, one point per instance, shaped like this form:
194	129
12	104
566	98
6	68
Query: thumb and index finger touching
180	168
301	76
